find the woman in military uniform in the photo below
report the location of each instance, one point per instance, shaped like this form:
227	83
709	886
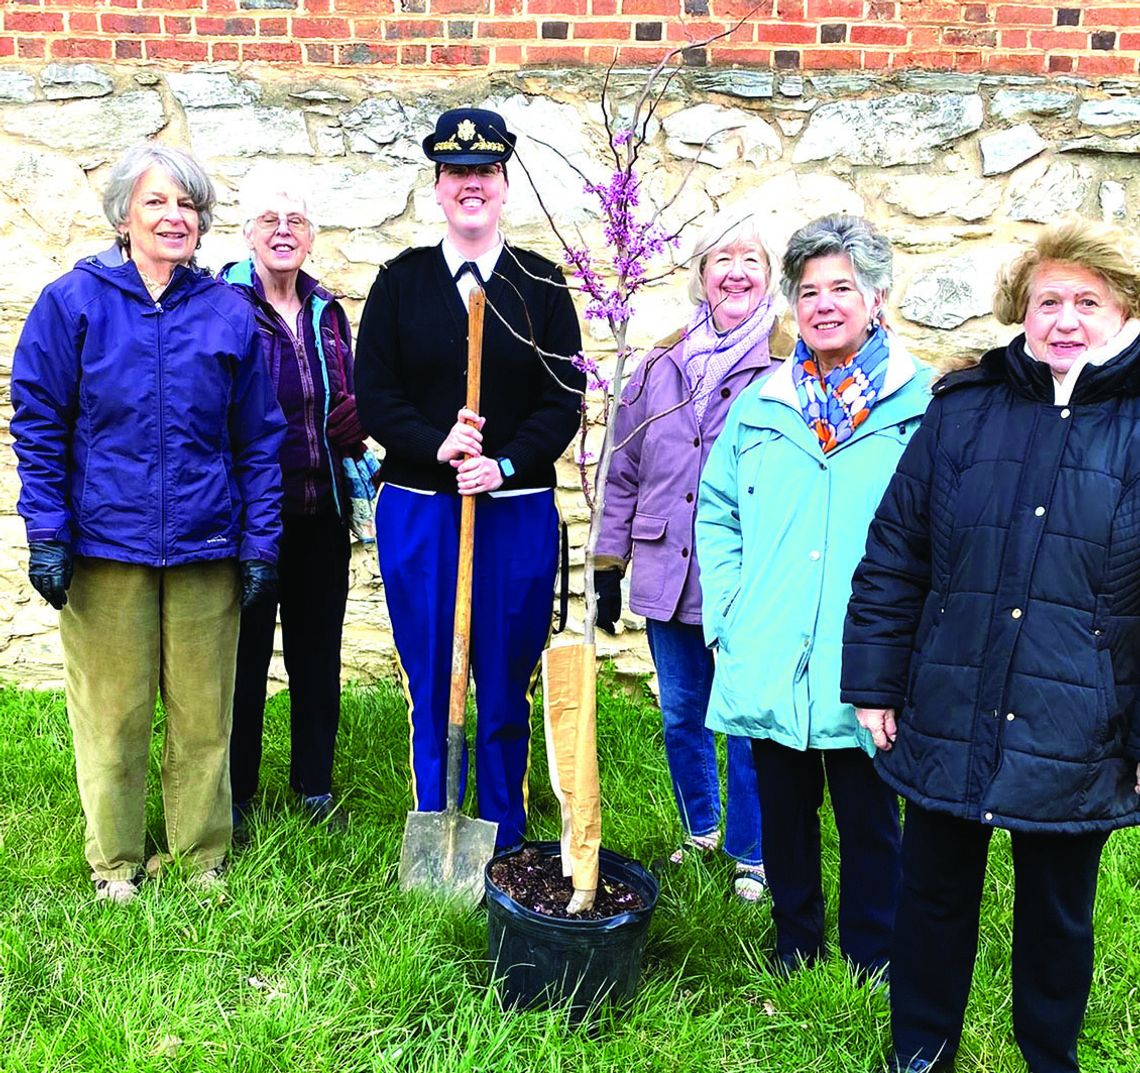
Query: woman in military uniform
411	389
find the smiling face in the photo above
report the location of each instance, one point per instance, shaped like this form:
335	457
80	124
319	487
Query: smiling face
1070	310
280	237
735	279
472	199
162	224
831	312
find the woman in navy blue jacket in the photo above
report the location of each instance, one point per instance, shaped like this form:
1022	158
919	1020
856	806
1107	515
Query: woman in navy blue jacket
147	437
992	645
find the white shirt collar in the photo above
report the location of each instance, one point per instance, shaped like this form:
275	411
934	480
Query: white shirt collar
485	261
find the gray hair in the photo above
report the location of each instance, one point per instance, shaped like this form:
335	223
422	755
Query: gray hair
727	228
177	163
264	182
868	250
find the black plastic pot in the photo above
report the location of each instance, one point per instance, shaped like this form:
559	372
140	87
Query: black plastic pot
539	960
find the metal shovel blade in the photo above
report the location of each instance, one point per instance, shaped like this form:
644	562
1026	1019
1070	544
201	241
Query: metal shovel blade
446	852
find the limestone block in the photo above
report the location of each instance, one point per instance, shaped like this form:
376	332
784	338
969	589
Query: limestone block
749	84
939	81
209	89
622	119
924	195
1112	201
1007	149
1099	143
343	197
684	205
382	120
368	248
318	96
721	136
838	83
330	140
17	86
25	269
933	239
1043	191
253	131
62	81
555	144
1021	103
903	129
1114	112
787	201
51	188
95	130
954	291
791	85
947	350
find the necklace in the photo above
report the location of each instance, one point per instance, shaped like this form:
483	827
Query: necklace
153	286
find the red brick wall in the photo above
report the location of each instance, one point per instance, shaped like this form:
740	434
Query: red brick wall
1082	37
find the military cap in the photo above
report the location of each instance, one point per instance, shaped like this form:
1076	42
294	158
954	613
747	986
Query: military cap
469	136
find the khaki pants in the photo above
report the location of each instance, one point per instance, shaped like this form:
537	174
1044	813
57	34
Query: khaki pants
130	632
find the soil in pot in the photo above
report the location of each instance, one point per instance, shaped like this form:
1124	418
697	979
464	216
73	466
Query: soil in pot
535	881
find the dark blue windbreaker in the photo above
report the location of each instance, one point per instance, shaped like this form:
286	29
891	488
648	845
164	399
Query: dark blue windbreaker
146	432
997	607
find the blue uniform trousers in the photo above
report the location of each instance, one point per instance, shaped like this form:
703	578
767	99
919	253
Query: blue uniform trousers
516	551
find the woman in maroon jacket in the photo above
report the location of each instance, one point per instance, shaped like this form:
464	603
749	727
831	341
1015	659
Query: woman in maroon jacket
307	346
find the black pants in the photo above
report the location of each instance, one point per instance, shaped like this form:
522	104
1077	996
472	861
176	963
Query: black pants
936	937
313	583
867	816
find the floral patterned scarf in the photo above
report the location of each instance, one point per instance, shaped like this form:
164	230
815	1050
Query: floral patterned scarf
836	404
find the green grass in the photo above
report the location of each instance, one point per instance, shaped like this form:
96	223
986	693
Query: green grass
314	961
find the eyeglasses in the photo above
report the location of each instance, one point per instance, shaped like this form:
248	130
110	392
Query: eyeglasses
270	221
465	171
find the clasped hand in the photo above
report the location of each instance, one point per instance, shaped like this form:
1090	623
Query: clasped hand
881	723
462	449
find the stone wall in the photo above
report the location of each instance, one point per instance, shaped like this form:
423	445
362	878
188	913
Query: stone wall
959	169
1089	38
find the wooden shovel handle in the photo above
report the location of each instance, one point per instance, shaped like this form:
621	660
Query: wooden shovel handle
461	636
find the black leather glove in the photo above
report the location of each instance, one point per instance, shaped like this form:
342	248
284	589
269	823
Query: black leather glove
258	583
49	568
607	585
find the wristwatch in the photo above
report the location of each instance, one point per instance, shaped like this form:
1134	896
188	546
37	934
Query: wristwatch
506	468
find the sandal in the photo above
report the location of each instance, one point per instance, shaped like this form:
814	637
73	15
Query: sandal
119	891
750	883
701	844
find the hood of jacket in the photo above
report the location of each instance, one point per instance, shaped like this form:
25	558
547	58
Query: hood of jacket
112	267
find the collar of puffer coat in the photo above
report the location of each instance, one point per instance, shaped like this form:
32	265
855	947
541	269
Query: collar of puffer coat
1011	364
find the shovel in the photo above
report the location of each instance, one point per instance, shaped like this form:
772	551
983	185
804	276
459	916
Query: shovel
445	851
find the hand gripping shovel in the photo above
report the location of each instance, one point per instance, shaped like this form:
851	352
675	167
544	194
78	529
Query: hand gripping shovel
445	851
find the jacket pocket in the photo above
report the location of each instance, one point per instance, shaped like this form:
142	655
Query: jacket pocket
1108	714
725	618
649	565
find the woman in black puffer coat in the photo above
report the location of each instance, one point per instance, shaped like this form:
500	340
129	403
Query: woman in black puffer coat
992	645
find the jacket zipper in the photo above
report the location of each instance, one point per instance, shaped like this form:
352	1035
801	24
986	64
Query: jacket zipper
161	443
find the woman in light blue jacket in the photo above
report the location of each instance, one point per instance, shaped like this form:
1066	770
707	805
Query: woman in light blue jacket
786	499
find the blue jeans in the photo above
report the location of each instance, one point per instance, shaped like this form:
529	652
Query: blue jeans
684	675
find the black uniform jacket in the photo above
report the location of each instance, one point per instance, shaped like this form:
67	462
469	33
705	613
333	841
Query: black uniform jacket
411	367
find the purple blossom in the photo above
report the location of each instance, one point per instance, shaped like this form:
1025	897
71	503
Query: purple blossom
631	243
621	137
